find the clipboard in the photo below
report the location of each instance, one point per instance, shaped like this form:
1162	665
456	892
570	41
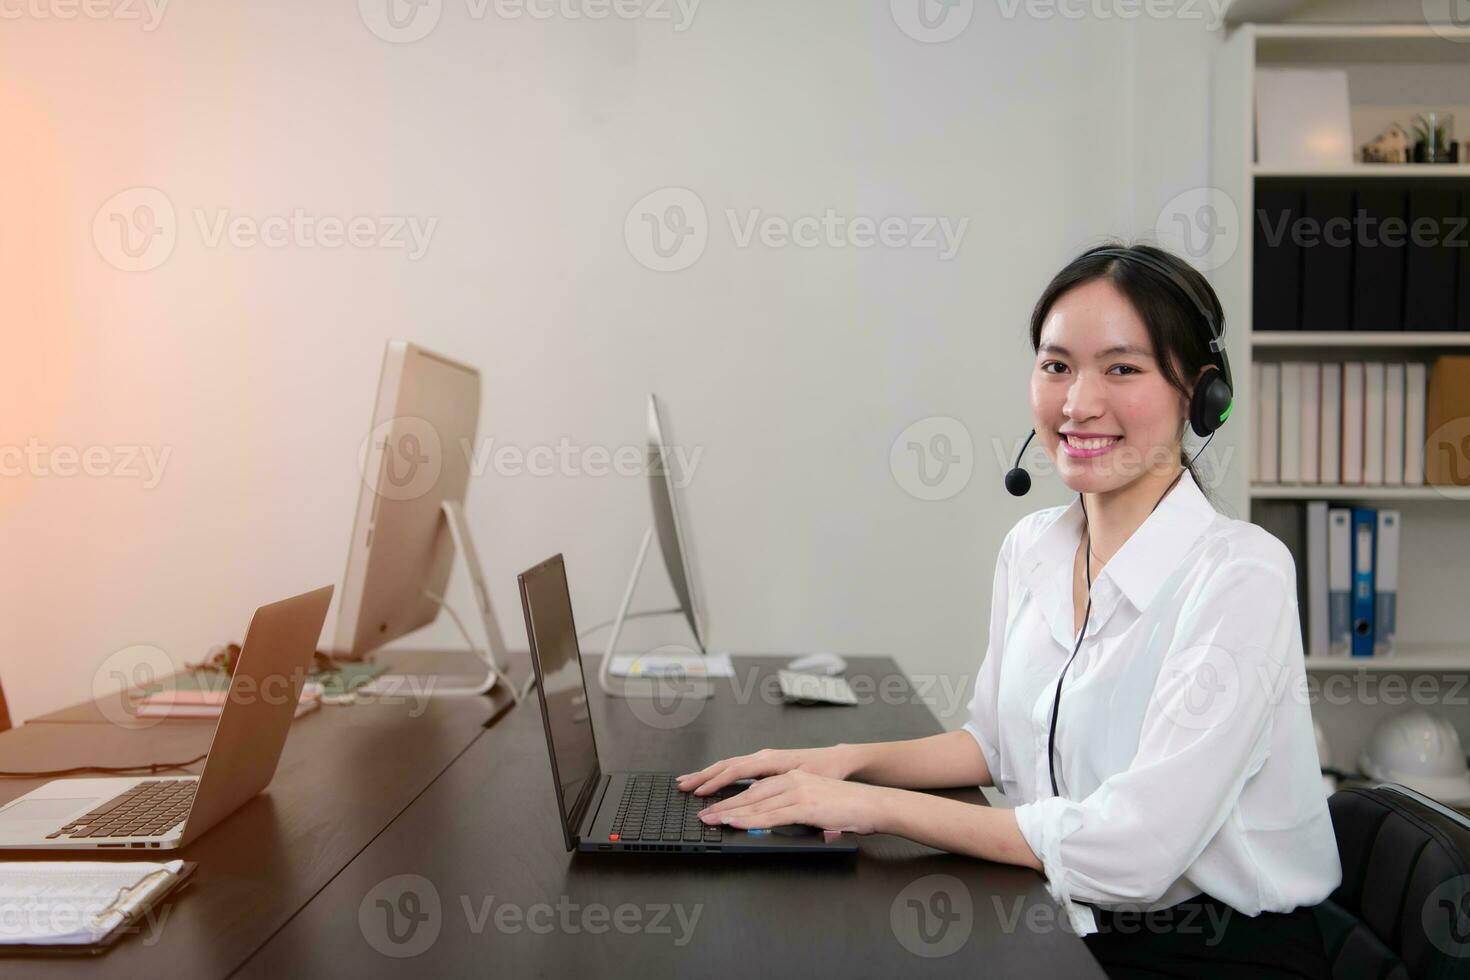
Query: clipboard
126	927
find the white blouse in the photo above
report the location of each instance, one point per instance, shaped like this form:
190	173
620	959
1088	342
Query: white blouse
1185	753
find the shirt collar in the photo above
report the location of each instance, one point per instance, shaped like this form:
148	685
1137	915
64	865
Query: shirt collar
1144	561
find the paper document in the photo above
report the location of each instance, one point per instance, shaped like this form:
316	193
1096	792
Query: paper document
75	902
671	664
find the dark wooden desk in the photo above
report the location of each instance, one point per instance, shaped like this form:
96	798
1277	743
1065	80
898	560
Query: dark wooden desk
485	837
345	774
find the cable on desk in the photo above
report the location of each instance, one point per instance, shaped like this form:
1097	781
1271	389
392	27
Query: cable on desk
146	768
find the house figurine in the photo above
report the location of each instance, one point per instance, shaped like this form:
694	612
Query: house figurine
1391	147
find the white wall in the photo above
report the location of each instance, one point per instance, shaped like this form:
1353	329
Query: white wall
528	141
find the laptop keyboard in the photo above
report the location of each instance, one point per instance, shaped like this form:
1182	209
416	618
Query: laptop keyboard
654	809
151	808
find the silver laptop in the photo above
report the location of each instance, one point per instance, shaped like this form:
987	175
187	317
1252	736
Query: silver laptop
167	812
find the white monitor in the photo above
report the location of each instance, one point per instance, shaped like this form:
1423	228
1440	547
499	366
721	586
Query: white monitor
413	463
666	482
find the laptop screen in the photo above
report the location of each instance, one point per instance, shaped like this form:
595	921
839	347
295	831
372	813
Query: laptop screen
561	686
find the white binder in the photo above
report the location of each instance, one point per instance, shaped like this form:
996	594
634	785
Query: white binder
1311	410
1386	582
1339	581
1373	387
1331	424
1393	424
1352	422
1416	392
1270	432
1317	578
1291	422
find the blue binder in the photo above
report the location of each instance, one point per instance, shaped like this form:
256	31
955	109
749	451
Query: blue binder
1365	529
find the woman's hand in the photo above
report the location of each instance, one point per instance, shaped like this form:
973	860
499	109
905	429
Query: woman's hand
797	796
834	762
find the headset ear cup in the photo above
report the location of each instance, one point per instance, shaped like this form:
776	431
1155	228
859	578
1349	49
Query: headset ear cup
1212	399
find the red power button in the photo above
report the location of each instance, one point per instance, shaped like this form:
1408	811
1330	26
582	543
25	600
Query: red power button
612	836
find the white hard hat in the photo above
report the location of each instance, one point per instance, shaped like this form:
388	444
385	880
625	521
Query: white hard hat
1422	751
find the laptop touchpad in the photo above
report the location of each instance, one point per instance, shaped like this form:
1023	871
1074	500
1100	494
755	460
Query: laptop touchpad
44	809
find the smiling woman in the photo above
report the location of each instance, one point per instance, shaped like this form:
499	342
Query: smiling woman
1175	807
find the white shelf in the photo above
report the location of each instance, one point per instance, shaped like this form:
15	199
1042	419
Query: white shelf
1424	659
1429	170
1359	338
1271	491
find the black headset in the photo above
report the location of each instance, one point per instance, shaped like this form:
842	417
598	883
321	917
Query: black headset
1209	407
1214	395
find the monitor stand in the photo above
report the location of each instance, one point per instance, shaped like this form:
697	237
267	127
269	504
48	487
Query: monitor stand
668	686
492	653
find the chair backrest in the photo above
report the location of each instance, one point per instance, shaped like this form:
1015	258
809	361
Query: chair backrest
1403	908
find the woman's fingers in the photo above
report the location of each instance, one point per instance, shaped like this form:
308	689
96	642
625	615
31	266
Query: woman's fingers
756	818
725	772
763	790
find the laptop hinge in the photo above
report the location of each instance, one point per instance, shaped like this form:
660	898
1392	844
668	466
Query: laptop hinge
594	804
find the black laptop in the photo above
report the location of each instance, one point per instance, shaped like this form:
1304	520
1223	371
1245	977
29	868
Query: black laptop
623	811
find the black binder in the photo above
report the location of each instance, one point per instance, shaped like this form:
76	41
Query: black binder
1327	265
1378	267
1276	266
1429	272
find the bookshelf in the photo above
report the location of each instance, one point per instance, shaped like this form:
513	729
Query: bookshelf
1410	659
1350	339
1390	68
1364	494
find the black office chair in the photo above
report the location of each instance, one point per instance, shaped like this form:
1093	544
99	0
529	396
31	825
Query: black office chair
1403	908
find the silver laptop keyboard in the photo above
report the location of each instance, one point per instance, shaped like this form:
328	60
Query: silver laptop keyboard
150	809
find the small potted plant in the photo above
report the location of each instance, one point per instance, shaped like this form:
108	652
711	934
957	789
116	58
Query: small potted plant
1434	140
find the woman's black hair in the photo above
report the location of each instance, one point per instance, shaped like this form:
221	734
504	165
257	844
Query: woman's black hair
1180	339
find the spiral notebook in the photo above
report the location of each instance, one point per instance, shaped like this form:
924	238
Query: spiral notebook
81	907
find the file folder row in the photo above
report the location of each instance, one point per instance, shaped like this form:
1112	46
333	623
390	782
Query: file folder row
1350	423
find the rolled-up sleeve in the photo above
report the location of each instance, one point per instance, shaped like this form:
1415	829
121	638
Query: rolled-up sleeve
983	723
1205	732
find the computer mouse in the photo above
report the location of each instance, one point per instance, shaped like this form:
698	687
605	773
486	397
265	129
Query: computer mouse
818	663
